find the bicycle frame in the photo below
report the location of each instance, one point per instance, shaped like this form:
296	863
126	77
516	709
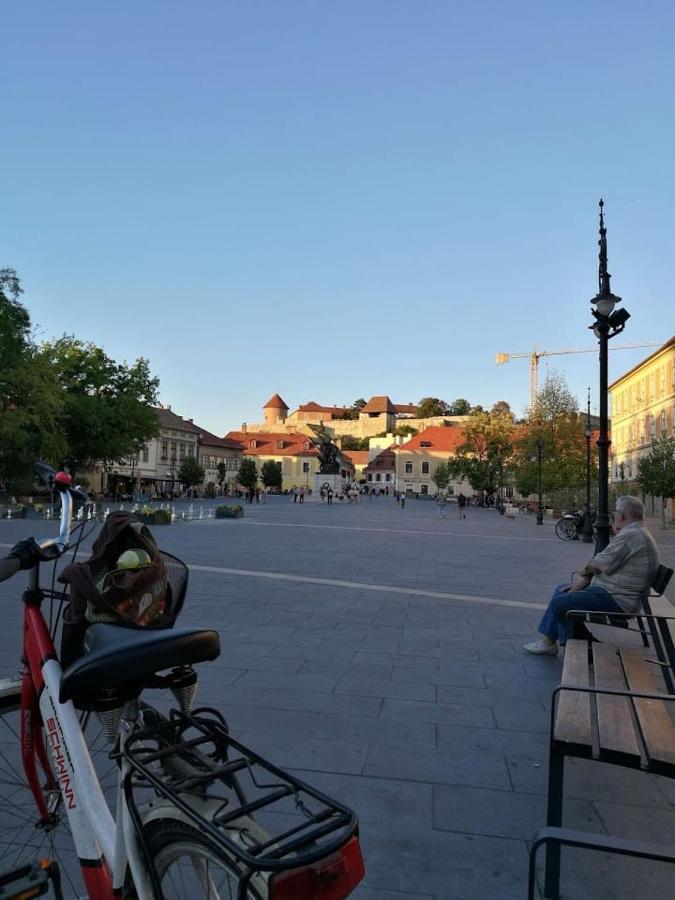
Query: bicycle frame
103	845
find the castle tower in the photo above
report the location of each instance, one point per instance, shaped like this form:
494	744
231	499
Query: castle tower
275	411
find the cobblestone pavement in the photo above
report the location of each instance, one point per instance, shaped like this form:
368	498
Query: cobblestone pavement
377	652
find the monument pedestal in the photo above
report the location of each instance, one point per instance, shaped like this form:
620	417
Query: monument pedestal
325	481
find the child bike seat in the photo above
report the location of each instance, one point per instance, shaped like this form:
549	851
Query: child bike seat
114	656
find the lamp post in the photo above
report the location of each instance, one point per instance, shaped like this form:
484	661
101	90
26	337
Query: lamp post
588	434
608	323
537	459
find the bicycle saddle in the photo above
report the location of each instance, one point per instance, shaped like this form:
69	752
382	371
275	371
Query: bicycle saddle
115	656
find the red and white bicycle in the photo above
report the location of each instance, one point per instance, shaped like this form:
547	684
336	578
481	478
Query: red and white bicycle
160	805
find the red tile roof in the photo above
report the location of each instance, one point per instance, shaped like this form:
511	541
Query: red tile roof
379	405
275	402
267	443
212	440
316	407
357	457
438	438
384	460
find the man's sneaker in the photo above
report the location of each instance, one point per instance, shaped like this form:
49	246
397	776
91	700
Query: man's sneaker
539	648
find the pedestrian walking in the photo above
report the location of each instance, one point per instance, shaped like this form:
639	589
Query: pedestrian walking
302	493
461	505
402	501
295	494
442	506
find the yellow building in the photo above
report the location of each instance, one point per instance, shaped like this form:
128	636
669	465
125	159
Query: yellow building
643	409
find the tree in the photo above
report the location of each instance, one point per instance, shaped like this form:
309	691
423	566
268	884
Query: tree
441	477
432	406
190	472
107	414
459	407
271	474
554	425
349	442
485	454
248	473
222	475
353	411
405	431
656	472
501	406
30	393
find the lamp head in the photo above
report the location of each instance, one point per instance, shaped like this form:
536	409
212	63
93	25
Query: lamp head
605	303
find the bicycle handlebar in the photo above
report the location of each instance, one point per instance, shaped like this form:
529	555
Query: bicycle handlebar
50	548
8	567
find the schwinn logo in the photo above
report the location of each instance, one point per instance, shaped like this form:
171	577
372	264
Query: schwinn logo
62	772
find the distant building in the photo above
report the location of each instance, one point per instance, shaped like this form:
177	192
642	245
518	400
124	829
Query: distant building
213	452
381	470
643	409
418	459
359	459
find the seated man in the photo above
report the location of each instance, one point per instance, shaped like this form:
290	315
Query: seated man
616	580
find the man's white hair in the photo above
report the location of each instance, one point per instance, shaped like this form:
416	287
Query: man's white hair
631	507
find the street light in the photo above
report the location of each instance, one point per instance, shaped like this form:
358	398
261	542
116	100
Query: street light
537	459
588	434
608	323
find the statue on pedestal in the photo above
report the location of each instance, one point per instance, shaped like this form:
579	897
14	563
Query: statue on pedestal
328	451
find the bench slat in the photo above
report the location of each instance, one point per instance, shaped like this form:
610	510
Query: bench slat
616	730
657	727
573	718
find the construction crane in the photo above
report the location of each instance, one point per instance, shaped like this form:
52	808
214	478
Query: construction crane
536	355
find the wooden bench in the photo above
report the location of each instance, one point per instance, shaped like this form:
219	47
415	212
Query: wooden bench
615	704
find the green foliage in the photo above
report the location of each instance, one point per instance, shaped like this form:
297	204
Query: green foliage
107	414
485	454
162	517
554	425
271	474
442	475
459	407
248	473
406	431
222	474
501	406
656	471
431	406
30	394
349	442
229	512
190	472
353	411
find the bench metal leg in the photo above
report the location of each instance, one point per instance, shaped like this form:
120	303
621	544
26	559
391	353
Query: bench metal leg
556	771
643	632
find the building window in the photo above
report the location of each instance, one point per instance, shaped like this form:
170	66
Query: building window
425	468
424	489
253	444
378	477
408	467
205	462
652	429
173	451
235	463
280	445
370	476
305	468
652	379
165	449
191	450
663	421
146	453
182	450
387	477
662	380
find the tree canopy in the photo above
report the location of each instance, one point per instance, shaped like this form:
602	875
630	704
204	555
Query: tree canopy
485	454
441	477
271	474
432	406
459	407
190	472
107	406
656	471
248	473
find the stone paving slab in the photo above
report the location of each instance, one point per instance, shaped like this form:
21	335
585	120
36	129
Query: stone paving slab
377	652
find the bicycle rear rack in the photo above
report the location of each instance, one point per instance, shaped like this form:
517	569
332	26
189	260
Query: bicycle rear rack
190	759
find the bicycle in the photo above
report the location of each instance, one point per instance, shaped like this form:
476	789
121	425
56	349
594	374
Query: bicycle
176	808
570	526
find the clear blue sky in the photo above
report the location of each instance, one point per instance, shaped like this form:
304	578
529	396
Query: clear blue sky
333	200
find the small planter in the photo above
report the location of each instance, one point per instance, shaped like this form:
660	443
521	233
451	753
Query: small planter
158	517
229	512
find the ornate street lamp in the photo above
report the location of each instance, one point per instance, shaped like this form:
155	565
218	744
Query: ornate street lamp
608	323
588	434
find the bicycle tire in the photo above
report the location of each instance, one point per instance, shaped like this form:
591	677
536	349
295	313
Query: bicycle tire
177	849
565	529
21	838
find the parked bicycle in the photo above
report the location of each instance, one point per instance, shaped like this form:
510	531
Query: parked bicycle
571	525
172	806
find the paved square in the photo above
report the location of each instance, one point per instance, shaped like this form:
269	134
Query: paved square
377	652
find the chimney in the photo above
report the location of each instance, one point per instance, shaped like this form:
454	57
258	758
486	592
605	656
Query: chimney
243	428
191	421
168	406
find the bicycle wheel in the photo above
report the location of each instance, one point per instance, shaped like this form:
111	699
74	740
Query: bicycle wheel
565	529
190	866
22	838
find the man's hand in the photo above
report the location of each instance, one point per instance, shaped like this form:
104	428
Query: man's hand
582	584
27	552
